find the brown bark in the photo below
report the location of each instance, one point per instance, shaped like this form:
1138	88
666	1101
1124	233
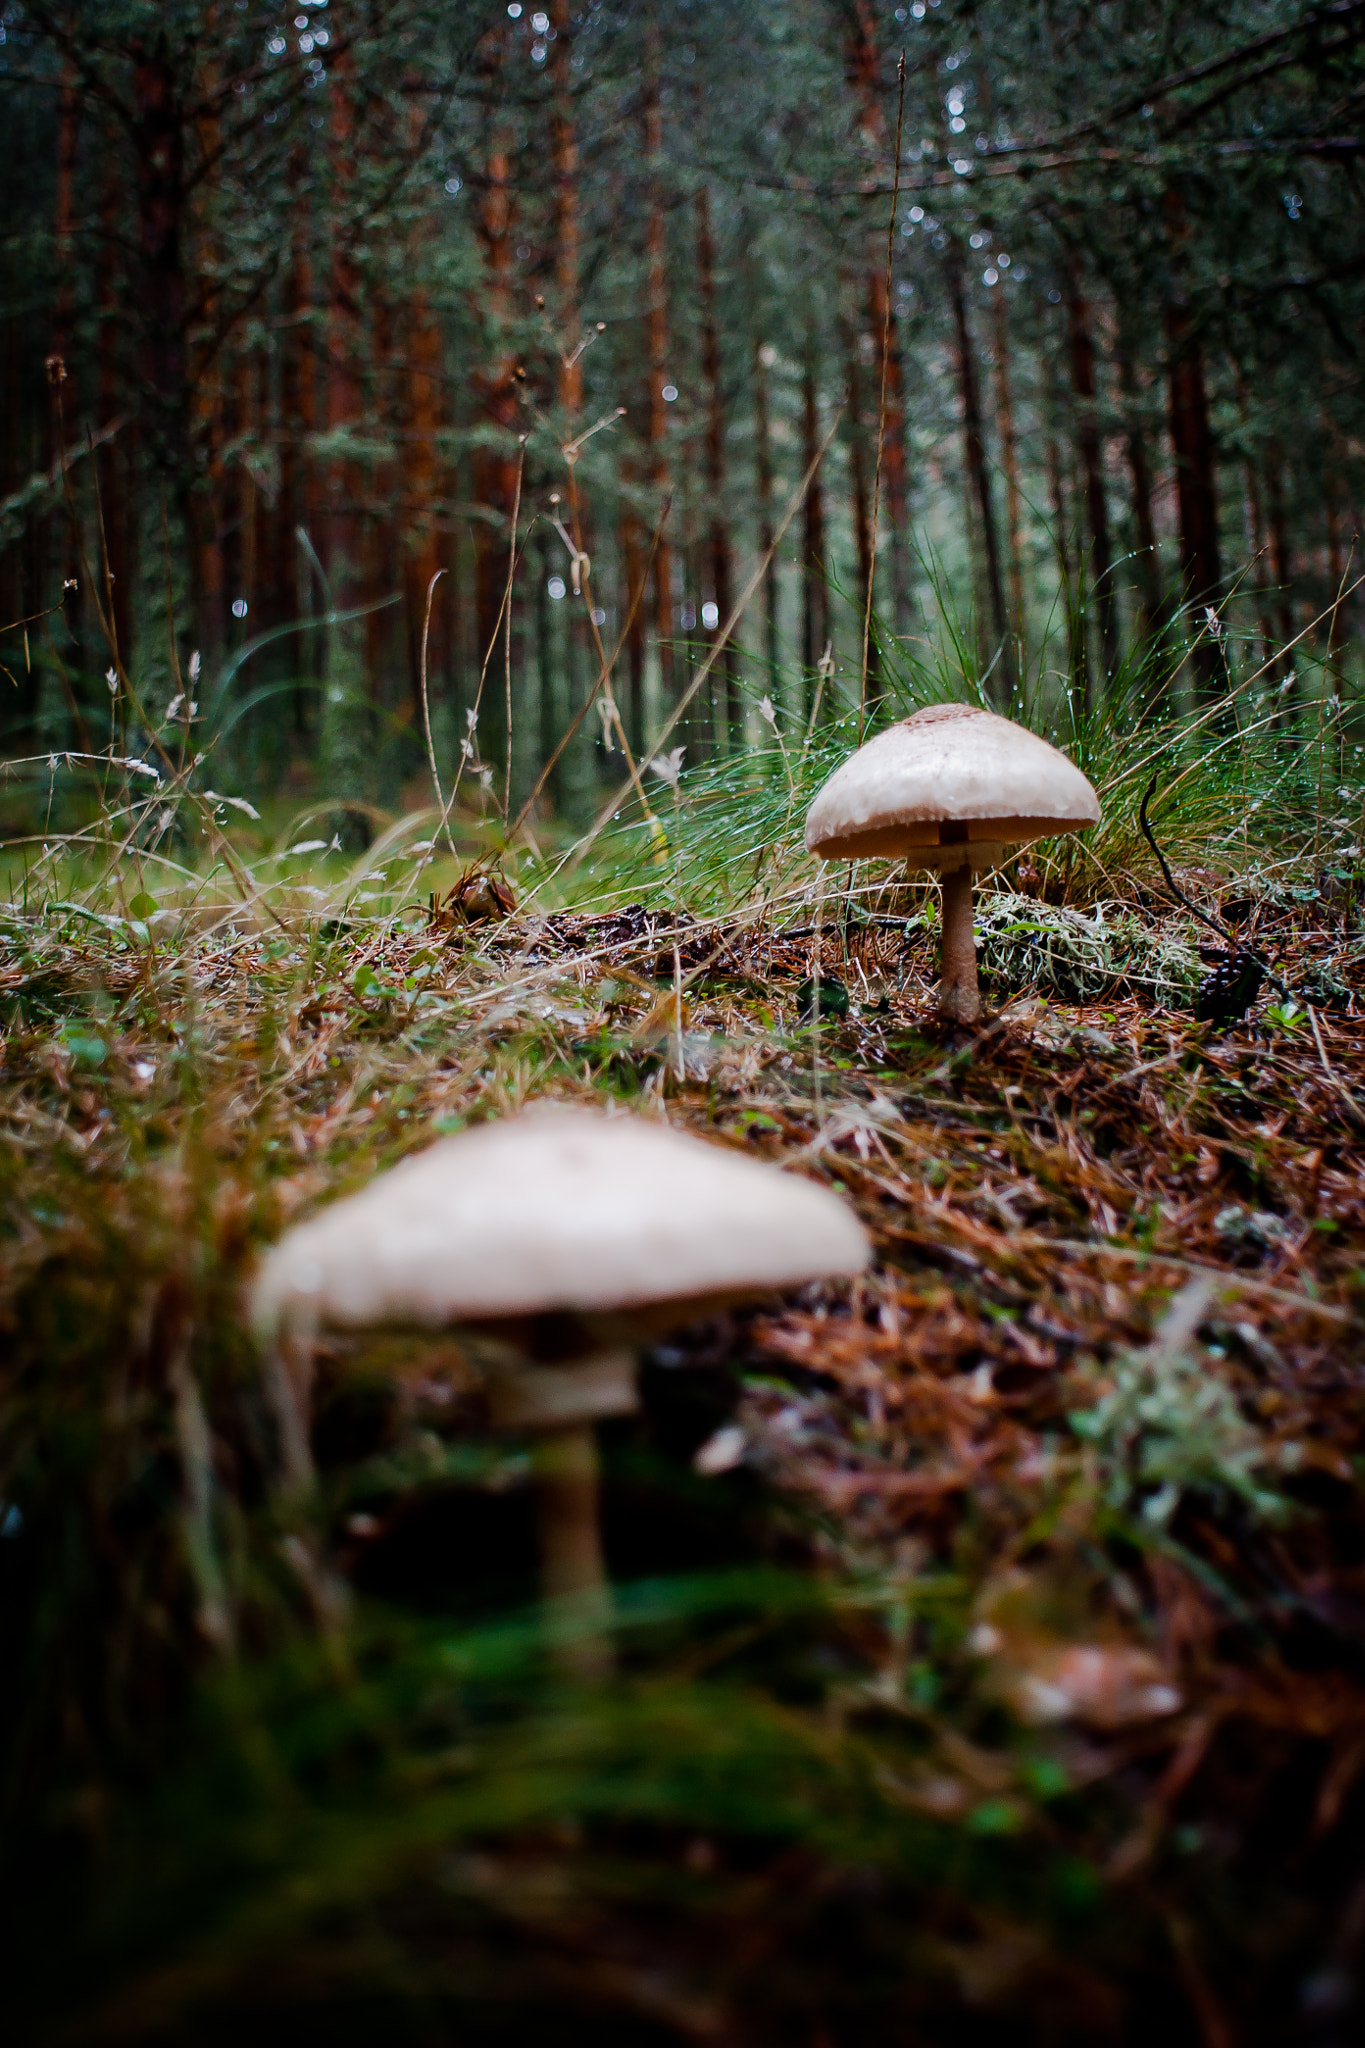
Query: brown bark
763	484
1192	447
718	529
1009	449
656	343
1082	351
974	454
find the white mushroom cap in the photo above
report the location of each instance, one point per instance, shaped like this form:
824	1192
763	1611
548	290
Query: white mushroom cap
951	787
559	1208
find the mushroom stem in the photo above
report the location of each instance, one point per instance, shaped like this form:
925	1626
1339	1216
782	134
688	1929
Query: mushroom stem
959	998
557	1407
573	1569
289	1390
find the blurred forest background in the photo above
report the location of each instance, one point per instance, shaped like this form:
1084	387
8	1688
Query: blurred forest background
301	305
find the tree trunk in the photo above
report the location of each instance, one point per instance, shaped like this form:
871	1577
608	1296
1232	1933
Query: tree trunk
419	404
632	607
117	460
55	535
974	452
159	153
1067	565
1009	449
298	422
568	308
1192	447
814	591
68	133
1259	544
421	498
254	418
861	508
343	379
1192	444
495	463
1140	487
1082	349
568	311
656	333
347	739
1336	568
894	490
718	529
763	486
380	570
213	509
1281	557
864	71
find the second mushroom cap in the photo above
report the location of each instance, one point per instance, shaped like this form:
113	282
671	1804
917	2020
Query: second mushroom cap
950	787
558	1209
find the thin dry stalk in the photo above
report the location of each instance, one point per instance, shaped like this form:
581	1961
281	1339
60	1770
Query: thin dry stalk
603	681
579	853
504	608
426	713
507	631
584	568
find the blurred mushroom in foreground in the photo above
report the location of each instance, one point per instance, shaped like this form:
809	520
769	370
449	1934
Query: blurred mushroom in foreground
950	788
558	1240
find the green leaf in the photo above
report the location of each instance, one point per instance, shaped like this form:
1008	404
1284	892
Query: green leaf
85	1048
995	1817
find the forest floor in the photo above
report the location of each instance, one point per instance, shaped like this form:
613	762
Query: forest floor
1069	1742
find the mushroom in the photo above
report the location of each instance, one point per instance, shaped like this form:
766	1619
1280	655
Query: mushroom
951	788
558	1240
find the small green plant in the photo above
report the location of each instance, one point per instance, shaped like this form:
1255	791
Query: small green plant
1170	1426
1288	1016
